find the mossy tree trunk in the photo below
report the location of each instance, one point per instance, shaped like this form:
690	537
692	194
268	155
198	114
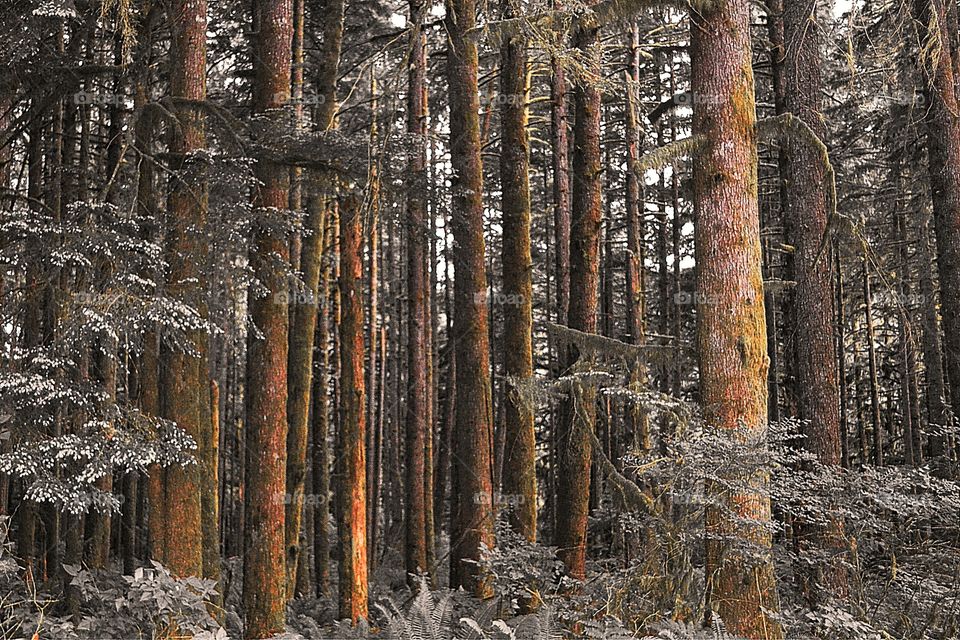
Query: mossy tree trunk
731	327
638	420
183	386
942	119
574	452
320	418
813	314
519	465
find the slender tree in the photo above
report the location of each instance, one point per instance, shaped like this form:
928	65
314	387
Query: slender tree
579	411
352	501
636	302
519	465
320	414
418	395
304	316
472	513
873	365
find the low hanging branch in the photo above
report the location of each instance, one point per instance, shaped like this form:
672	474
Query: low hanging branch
775	287
783	127
789	127
597	347
227	125
668	154
633	496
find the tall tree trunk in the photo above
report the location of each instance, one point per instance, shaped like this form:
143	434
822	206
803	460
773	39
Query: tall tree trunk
813	308
472	517
184	391
264	575
579	411
519	465
634	259
560	152
731	327
303	329
373	330
777	60
148	371
352	520
433	446
943	149
417	282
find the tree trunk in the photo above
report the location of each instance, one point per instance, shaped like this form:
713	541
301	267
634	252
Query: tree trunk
579	411
842	359
519	464
264	575
937	412
184	391
373	331
472	517
634	259
813	308
101	521
872	358
943	149
210	484
417	282
560	152
300	358
731	331
352	520
320	427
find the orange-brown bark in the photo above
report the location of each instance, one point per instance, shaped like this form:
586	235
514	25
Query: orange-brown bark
731	327
184	390
519	464
352	501
264	575
579	411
